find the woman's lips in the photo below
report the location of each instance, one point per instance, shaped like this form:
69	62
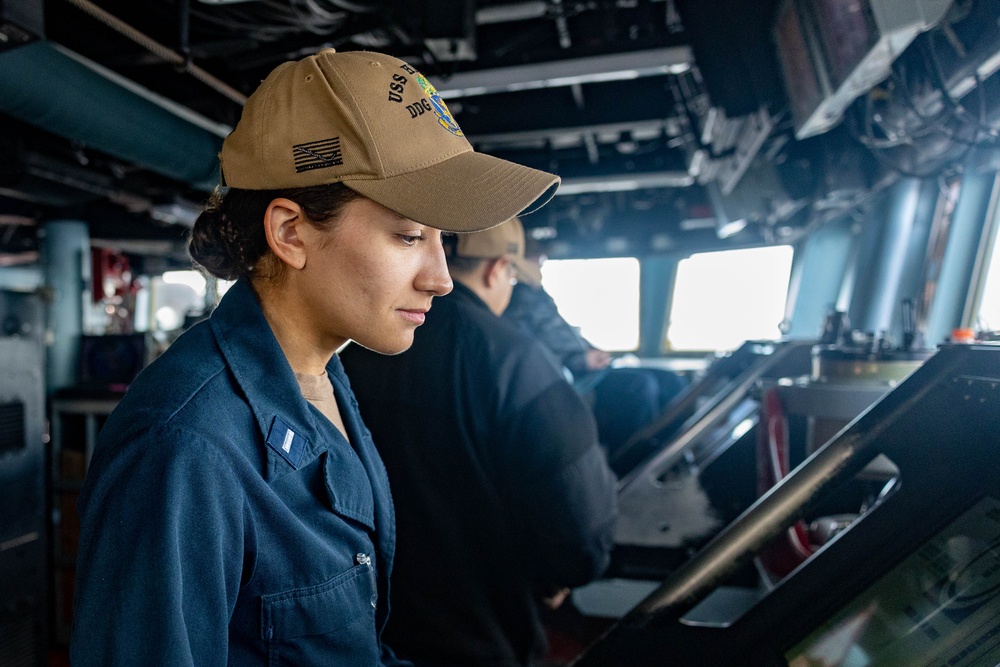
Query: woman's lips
415	316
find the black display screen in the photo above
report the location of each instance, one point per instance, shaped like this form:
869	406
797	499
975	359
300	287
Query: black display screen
938	608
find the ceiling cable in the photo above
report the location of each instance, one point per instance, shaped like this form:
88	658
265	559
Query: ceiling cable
161	51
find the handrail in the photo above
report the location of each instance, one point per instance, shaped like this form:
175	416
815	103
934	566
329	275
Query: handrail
707	418
684	402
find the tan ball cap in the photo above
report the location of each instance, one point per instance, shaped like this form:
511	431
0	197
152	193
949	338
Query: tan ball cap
375	124
505	240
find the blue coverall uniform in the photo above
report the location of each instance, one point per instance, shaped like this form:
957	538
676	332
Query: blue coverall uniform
227	521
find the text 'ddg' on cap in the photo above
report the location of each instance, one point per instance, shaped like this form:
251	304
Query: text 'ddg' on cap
377	125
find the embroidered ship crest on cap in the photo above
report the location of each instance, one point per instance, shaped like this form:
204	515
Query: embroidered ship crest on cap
440	108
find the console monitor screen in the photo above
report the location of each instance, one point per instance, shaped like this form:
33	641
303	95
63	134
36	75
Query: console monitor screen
939	607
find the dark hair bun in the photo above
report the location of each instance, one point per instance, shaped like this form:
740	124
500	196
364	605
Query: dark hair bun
228	238
214	245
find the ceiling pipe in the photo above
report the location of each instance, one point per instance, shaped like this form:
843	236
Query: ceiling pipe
615	67
45	87
182	61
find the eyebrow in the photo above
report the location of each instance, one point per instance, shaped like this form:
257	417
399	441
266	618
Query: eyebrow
399	218
403	220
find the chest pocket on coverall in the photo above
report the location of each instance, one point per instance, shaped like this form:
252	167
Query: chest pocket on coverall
334	620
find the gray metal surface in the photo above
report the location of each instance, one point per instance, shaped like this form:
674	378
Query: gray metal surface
22	500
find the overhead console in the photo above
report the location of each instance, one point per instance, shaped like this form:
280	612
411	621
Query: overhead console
833	51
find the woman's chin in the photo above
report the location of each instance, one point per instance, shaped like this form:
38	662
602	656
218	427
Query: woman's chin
386	347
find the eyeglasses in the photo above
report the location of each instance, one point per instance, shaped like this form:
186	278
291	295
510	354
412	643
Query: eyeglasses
513	274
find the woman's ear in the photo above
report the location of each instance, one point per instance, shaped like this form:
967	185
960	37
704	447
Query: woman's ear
283	221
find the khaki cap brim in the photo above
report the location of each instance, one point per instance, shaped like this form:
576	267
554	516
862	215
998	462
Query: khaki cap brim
469	192
527	271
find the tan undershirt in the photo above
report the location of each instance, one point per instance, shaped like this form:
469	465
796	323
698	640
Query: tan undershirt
318	390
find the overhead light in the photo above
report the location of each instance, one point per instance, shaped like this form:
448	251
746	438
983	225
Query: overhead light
592	77
522	11
579	186
593	69
724	207
616	244
626	144
661	242
451	49
18	258
698	159
542	233
605	132
986	69
176	213
743	428
691	224
625	182
560	249
731	228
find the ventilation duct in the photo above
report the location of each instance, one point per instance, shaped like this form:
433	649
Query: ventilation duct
45	87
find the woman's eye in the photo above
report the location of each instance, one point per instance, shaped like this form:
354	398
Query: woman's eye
409	239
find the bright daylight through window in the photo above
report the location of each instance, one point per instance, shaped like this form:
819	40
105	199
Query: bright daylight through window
721	299
989	304
600	296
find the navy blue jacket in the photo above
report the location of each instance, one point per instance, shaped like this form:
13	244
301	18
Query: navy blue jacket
533	309
503	493
225	520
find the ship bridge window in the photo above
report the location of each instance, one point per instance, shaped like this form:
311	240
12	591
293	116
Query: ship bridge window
988	319
721	299
598	296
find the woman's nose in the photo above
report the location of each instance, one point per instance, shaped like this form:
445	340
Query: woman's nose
434	276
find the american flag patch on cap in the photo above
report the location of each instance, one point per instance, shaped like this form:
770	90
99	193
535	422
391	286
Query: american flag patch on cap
317	154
